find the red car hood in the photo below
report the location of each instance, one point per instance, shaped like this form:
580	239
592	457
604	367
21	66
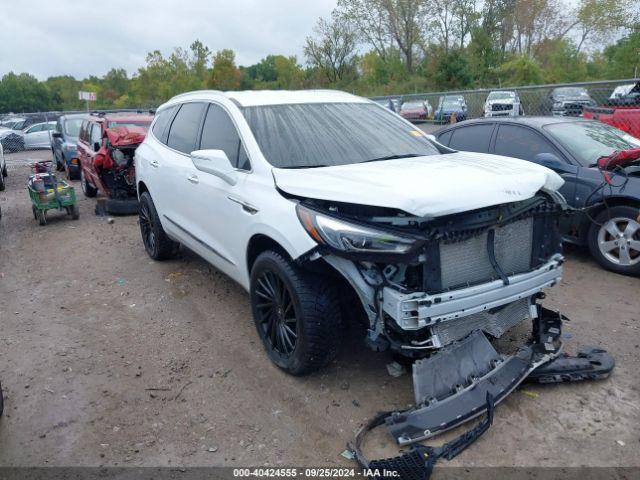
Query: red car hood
123	136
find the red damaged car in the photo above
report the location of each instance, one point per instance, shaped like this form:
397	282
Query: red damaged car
106	145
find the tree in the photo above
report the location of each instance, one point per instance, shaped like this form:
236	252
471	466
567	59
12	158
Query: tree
598	20
406	22
623	58
520	70
333	48
23	93
225	75
453	71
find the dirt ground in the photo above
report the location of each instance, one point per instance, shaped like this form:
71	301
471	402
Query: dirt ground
108	358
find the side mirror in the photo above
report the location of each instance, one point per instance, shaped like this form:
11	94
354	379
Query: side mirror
96	146
215	162
56	134
551	161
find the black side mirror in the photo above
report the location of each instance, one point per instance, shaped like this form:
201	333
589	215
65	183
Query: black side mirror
56	134
96	146
551	161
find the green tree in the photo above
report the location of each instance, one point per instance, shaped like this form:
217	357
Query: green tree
520	70
23	93
225	75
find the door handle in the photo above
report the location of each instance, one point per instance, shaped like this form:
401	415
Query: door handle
154	163
193	179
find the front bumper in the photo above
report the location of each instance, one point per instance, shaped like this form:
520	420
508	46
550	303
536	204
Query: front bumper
413	311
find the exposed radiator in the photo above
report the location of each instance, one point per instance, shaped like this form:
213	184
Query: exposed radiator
494	324
467	262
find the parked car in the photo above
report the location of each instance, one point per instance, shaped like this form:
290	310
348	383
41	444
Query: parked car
449	105
3	168
416	110
38	135
569	101
328	208
11	140
64	144
607	219
106	146
503	103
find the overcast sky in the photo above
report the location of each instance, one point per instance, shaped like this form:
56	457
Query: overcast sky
80	38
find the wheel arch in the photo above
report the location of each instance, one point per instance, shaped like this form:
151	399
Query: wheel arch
596	210
260	243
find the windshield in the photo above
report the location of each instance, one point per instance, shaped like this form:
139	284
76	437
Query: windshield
451	102
72	127
327	134
588	141
501	95
413	105
570	92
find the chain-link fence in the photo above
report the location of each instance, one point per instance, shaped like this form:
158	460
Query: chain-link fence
616	102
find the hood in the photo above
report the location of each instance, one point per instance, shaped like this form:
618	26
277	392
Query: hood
505	101
429	186
123	136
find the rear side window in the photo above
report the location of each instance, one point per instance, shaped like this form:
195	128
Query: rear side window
521	142
163	118
220	133
184	129
474	138
445	138
83	131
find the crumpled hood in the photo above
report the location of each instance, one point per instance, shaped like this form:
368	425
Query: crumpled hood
429	186
123	136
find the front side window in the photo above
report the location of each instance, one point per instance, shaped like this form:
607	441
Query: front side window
184	129
220	133
325	134
35	128
588	141
521	142
96	134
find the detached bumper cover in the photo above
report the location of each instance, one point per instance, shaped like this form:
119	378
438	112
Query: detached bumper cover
452	386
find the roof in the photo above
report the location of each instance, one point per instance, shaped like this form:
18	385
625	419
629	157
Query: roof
525	120
251	98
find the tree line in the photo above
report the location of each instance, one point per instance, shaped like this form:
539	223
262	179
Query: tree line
381	47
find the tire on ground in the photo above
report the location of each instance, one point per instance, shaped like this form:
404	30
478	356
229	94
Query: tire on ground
317	308
621	211
163	247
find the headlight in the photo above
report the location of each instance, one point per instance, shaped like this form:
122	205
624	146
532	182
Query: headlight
348	237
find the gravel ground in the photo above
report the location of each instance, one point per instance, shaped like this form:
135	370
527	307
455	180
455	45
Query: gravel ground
109	358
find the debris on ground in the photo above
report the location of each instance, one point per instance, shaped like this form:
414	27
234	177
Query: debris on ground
395	369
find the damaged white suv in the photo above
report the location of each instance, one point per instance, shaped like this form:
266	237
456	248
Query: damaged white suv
329	208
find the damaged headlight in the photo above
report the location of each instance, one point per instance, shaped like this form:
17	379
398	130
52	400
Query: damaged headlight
349	237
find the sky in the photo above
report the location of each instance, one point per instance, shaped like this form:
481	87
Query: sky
82	38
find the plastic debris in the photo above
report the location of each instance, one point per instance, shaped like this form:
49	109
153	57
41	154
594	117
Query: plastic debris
395	369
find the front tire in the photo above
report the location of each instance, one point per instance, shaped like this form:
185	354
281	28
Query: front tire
296	313
614	240
156	242
2	184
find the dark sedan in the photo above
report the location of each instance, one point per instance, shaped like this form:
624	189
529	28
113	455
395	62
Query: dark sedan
609	202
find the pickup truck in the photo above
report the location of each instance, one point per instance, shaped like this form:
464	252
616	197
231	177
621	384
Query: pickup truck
622	112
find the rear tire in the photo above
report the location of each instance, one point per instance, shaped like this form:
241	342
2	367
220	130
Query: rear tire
42	217
89	190
296	313
156	242
614	240
2	184
4	171
74	211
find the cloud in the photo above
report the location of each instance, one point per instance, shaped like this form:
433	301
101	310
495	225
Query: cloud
83	38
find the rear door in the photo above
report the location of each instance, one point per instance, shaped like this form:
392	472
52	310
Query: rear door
173	172
32	136
93	139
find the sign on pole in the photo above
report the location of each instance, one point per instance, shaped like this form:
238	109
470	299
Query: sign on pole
88	96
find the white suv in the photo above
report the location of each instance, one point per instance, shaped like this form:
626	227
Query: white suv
329	208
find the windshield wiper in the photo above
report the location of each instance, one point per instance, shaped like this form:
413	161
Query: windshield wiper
394	157
298	167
